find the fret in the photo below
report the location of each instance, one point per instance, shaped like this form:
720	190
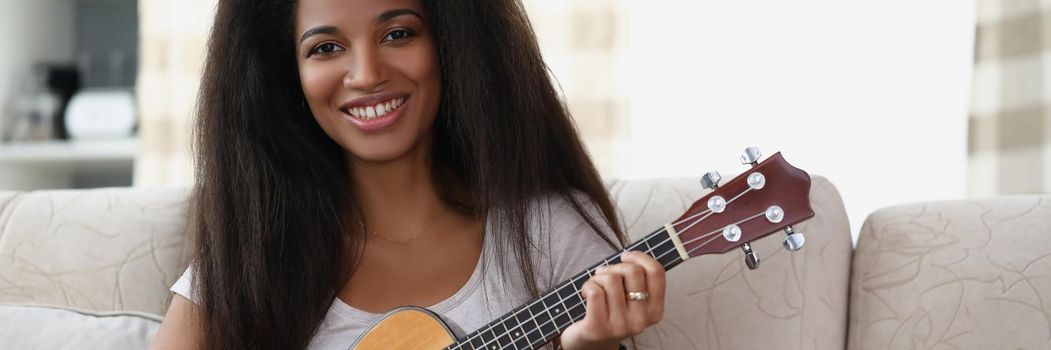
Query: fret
501	339
561	314
663	249
544	325
486	337
478	342
649	249
575	303
532	316
552	305
669	256
520	335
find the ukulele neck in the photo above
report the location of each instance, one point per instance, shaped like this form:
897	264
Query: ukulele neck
536	323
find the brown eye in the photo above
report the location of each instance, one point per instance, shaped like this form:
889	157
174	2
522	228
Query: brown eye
325	48
397	34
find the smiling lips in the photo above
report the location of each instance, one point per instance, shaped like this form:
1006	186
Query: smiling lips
375	111
374	116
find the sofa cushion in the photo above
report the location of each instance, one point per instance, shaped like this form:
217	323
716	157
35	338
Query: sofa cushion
45	327
794	300
98	250
972	274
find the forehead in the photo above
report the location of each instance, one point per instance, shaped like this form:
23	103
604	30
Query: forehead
346	13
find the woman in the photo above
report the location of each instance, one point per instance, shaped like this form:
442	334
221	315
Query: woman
358	155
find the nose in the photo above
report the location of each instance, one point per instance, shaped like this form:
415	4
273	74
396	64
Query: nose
365	71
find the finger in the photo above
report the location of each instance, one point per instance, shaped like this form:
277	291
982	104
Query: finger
634	278
655	281
613	284
637	315
595	308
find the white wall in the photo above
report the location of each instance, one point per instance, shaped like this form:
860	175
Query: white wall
870	94
31	31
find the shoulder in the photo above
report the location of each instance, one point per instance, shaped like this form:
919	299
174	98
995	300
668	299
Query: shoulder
570	233
185	287
570	212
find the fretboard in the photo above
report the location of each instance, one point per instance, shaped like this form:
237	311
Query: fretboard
541	320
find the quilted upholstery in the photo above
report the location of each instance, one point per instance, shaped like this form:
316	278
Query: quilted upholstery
96	250
970	274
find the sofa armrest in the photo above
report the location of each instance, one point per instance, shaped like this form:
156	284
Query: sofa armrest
973	274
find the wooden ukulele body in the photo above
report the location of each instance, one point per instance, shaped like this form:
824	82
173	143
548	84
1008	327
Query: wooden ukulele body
406	328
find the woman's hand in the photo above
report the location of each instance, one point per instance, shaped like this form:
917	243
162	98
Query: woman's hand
610	316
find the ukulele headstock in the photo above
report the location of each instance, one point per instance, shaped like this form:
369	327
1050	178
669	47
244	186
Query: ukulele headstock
771	196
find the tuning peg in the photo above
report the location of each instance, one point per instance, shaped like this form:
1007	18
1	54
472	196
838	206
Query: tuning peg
751	156
751	257
711	180
794	240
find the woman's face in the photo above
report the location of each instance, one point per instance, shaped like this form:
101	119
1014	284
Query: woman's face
369	70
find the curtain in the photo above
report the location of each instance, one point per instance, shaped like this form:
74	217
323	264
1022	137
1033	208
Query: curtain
1010	122
585	44
173	35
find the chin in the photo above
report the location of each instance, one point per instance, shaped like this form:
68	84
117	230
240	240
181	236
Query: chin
384	149
376	155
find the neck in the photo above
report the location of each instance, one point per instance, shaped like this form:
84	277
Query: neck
395	197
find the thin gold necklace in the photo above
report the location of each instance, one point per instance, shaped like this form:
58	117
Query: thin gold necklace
406	241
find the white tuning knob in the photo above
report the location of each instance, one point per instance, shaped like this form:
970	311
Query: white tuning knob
751	156
711	180
794	240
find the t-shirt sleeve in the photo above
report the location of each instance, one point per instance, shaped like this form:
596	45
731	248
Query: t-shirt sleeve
572	245
184	285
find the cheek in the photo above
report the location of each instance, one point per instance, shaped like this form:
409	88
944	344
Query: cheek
318	82
422	68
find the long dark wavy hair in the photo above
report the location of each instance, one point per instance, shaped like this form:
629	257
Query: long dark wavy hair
272	245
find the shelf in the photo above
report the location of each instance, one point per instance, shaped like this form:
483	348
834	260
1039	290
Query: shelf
69	151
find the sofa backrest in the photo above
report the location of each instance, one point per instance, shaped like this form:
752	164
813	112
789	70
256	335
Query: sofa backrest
120	249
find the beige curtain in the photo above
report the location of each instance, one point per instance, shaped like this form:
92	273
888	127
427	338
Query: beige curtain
172	46
1010	122
585	44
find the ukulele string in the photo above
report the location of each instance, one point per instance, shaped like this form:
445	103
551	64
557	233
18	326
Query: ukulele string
606	263
562	301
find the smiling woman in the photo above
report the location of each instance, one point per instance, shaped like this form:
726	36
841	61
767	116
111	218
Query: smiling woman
432	126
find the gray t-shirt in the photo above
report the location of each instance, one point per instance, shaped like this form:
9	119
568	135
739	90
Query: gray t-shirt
566	245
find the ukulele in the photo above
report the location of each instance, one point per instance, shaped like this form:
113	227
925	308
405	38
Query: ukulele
771	196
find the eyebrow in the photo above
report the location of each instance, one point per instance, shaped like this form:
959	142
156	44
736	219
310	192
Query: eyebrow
386	16
383	17
317	30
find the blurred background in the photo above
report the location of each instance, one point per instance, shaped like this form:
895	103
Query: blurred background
894	101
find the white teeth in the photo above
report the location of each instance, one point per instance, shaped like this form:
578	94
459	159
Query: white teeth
378	110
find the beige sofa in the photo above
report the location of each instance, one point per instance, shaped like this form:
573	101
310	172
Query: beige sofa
91	269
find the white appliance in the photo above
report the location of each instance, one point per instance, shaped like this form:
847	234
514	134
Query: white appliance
101	114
